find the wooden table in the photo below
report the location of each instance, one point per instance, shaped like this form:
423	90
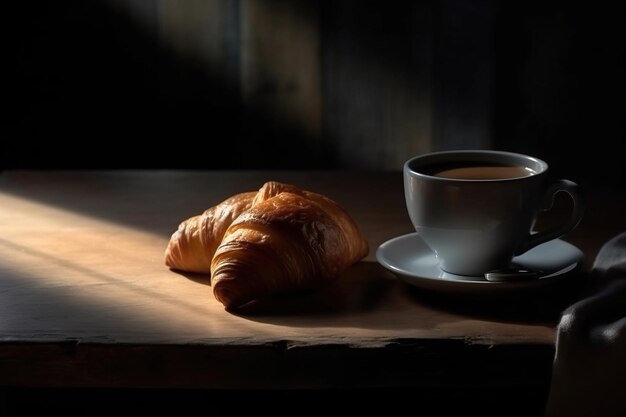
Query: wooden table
85	300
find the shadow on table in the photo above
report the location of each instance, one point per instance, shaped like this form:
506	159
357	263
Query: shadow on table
531	306
362	288
368	296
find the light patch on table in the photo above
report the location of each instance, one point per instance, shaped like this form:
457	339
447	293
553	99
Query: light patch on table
73	276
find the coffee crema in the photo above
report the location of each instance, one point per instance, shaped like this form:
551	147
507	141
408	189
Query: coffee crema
477	171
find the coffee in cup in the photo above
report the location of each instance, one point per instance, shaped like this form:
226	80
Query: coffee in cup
478	171
476	209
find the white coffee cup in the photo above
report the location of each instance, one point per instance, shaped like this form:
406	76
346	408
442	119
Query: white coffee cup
476	209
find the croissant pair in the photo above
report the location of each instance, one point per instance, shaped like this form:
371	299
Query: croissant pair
276	240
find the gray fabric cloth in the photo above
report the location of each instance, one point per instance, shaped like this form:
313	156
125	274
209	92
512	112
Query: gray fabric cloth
611	261
589	371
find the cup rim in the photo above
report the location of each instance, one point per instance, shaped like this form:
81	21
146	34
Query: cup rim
537	165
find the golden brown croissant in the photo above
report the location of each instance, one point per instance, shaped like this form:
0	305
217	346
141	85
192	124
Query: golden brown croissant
291	241
279	239
192	246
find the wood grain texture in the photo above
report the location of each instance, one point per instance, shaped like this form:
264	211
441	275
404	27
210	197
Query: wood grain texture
81	266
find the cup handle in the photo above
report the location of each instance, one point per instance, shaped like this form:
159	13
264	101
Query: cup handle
554	232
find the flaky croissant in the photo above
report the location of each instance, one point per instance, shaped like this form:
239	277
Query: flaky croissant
287	242
288	239
192	246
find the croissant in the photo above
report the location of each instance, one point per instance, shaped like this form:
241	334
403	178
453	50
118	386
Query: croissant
279	239
192	246
287	242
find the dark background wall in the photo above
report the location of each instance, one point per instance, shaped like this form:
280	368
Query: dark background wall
312	84
560	85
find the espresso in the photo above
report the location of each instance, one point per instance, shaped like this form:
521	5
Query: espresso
478	171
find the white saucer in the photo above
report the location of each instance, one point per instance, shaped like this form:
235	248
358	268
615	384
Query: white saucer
412	260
